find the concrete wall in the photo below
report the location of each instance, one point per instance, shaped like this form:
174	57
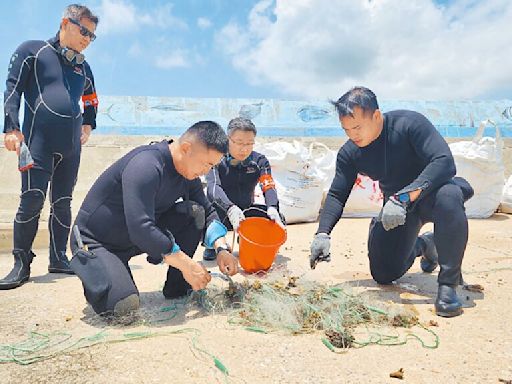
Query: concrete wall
145	115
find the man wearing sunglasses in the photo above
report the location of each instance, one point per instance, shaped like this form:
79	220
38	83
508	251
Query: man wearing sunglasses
52	76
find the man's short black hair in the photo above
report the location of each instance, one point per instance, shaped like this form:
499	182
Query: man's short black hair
241	124
210	134
360	97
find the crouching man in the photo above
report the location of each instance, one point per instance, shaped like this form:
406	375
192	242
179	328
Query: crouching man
415	170
151	201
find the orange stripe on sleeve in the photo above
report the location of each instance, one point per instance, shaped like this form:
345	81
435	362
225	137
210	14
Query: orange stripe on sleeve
90	100
266	182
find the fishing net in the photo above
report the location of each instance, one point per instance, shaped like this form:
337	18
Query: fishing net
279	302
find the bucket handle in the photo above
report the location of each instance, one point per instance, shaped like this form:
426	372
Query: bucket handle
254	209
257	209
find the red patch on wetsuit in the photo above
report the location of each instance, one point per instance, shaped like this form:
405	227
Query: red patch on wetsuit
90	100
266	182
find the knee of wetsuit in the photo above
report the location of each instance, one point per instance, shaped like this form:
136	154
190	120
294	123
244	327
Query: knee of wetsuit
193	210
382	277
62	203
31	204
466	188
198	214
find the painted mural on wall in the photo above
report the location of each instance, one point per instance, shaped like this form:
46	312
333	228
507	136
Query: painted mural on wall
146	115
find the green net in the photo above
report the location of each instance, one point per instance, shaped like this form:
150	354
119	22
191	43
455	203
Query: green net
287	304
279	303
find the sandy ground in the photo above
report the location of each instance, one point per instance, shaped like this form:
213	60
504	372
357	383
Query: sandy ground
474	348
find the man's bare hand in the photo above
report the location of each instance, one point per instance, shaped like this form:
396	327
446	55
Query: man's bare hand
86	132
13	140
228	264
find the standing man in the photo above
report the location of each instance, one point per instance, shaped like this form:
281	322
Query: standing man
230	185
151	201
415	170
52	76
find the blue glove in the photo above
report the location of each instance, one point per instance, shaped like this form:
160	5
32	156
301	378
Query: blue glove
215	231
393	214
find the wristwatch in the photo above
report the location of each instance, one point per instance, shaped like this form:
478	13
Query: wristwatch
221	248
404	198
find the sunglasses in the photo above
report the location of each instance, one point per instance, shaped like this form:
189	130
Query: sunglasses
83	31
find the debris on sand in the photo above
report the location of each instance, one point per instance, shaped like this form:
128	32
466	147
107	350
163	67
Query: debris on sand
285	303
398	374
473	288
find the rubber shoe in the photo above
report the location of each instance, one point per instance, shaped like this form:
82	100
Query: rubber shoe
128	304
447	302
20	272
429	260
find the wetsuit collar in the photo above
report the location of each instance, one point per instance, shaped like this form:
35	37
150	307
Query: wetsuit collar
163	147
235	163
378	141
55	42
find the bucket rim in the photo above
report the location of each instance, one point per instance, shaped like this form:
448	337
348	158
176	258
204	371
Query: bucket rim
278	244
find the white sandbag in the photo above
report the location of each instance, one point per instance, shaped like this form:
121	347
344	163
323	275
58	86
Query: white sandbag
324	163
365	200
506	198
480	162
301	175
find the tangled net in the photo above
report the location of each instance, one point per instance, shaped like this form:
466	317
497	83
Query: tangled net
283	303
278	303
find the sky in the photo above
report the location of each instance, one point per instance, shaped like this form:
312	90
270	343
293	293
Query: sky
286	49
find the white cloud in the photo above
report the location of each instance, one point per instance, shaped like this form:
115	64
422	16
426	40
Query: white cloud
135	50
399	48
204	23
123	16
175	59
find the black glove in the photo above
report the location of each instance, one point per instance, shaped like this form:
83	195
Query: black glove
320	248
393	214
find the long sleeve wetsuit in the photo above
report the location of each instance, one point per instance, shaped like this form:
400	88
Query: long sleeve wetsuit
408	155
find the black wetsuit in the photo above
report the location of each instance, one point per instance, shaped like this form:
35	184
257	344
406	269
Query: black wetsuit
132	209
408	155
52	125
233	182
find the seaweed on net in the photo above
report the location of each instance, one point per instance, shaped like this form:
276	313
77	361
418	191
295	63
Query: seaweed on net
287	304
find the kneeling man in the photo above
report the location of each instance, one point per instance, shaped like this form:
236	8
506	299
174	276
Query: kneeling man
151	201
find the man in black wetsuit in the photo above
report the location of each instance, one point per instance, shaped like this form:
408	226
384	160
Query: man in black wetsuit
231	184
151	201
415	170
52	76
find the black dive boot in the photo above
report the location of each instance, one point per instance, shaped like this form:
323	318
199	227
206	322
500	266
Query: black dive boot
20	273
429	259
209	254
59	263
447	301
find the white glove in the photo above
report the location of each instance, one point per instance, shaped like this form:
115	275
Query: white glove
273	214
393	214
235	216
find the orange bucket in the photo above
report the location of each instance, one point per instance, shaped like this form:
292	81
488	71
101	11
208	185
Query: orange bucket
260	239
